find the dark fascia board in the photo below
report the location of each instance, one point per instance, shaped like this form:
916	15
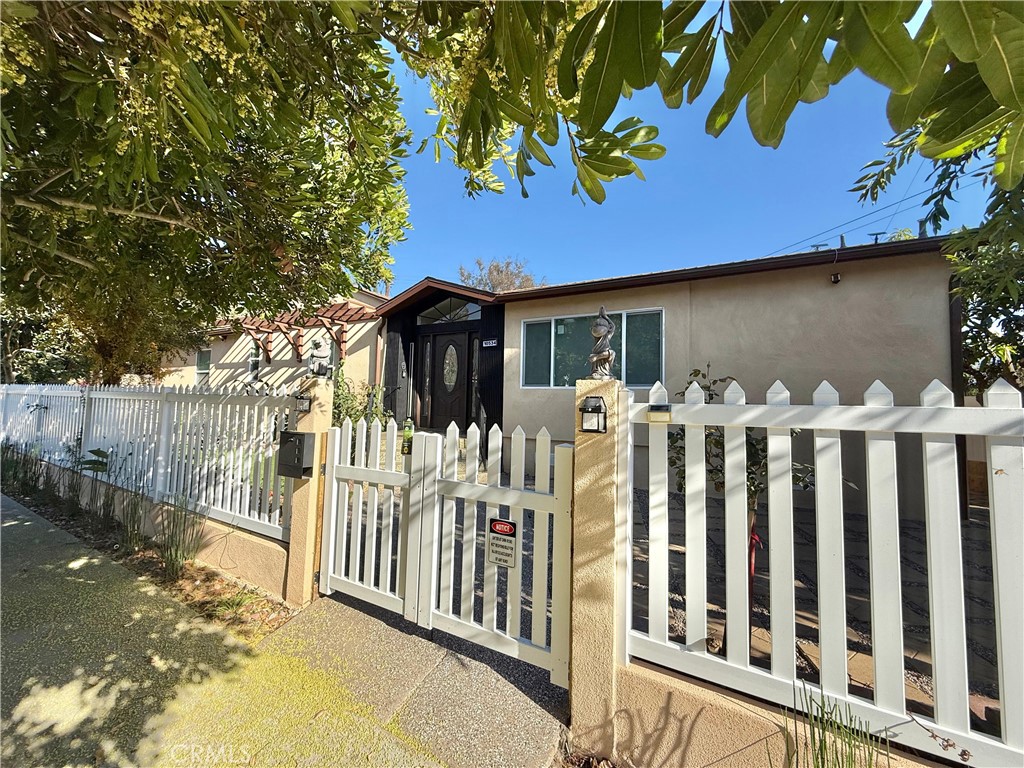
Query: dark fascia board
427	286
752	266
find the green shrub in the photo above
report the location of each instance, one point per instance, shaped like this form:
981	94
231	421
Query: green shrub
134	508
356	400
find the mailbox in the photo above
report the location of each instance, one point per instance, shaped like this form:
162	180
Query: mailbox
295	459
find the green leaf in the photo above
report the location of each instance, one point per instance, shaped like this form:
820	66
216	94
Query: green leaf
768	45
590	183
840	65
1002	66
576	45
602	84
701	70
1009	166
718	118
810	41
886	55
11	9
647	151
513	107
538	151
640	135
903	110
678	15
236	33
514	38
688	63
966	25
77	77
978	135
959	116
608	167
628	125
674	99
85	99
817	87
882	13
773	101
637	43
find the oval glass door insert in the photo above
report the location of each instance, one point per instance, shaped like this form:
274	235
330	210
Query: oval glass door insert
451	367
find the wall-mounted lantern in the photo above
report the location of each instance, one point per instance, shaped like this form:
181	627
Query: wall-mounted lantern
303	403
593	415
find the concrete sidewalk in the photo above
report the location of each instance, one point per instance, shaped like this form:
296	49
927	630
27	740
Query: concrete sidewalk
102	668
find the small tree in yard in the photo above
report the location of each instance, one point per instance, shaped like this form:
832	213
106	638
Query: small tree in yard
714	451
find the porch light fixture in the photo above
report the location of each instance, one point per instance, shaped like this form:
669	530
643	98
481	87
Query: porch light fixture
593	415
303	403
659	413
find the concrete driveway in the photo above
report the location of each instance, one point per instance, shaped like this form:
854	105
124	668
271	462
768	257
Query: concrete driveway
101	668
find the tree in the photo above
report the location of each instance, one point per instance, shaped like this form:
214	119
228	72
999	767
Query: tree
227	157
991	287
41	347
507	78
498	276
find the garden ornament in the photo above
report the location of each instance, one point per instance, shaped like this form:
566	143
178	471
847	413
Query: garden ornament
603	357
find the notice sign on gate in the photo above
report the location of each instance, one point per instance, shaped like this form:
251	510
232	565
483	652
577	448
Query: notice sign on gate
501	542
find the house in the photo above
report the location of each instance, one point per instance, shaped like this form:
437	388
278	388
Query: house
849	315
275	353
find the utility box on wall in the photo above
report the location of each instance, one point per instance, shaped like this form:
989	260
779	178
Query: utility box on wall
295	457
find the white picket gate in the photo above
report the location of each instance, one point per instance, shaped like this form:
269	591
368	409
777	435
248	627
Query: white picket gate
409	536
936	422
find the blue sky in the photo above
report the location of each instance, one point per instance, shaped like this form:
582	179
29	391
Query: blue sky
707	201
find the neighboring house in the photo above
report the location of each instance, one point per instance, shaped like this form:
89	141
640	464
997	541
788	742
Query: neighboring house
849	315
276	352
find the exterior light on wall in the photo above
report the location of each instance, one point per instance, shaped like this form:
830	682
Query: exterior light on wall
659	412
303	403
593	415
836	277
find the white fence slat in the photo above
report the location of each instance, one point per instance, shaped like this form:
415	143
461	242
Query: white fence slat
356	533
737	538
517	481
624	517
696	528
1006	500
412	522
371	564
884	558
329	549
780	542
388	509
490	614
344	499
469	527
945	571
539	593
561	575
432	446
450	469
658	538
828	503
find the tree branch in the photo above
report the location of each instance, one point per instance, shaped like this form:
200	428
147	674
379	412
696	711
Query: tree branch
54	251
66	202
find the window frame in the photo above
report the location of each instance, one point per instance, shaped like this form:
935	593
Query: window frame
550	320
200	373
255	355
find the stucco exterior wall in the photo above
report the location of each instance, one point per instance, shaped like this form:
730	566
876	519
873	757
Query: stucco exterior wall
229	358
887	319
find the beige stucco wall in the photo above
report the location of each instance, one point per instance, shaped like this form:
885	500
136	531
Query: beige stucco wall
887	319
229	358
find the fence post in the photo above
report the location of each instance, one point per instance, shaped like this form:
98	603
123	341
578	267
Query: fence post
39	413
412	517
162	465
428	529
86	421
302	555
597	531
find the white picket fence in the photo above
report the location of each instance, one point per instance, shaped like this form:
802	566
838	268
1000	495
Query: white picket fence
410	536
937	422
216	449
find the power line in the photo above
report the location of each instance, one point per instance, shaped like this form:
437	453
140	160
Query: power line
873	212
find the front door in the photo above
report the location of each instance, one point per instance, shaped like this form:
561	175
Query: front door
449	380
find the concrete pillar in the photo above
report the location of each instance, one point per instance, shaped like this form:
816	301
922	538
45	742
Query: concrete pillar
595	625
306	513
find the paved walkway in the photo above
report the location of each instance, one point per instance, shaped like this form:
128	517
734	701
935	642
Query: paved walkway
101	668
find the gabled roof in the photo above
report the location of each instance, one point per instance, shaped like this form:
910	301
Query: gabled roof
426	288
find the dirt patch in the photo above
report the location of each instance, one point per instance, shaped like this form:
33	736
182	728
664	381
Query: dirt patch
246	611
